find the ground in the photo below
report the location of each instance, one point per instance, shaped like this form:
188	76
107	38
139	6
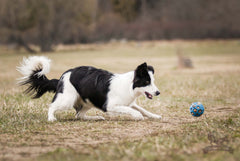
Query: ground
25	133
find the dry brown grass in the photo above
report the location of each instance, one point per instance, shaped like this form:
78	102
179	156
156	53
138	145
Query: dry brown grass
26	134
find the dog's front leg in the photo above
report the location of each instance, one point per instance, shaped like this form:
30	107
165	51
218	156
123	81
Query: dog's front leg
126	110
145	112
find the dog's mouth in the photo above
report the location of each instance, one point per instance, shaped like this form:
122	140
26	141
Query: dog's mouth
148	95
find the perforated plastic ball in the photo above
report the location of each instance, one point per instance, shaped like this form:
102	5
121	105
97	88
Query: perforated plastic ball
197	109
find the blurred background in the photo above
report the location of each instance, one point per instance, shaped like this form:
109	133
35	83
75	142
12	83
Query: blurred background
47	23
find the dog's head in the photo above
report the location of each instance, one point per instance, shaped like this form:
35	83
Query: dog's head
143	82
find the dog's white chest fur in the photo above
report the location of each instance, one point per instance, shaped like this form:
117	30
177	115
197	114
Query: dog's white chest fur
121	92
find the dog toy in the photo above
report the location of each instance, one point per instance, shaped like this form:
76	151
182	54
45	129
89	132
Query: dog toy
197	109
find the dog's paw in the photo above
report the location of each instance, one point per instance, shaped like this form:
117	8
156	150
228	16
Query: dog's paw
155	116
100	118
92	118
141	118
52	119
138	116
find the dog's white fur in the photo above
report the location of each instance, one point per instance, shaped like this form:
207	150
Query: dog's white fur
33	63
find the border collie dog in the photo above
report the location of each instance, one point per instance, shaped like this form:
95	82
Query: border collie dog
85	87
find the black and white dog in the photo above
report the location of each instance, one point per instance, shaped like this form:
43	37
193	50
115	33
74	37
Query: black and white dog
85	87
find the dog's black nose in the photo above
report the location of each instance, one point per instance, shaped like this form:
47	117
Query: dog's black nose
157	93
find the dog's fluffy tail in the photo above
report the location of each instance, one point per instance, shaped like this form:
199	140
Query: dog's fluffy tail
33	70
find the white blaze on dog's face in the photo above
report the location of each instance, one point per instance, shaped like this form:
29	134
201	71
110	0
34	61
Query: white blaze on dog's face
143	82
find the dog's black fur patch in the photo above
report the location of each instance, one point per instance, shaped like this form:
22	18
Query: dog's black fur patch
141	76
92	83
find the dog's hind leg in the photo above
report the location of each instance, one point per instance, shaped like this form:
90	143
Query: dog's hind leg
81	114
51	111
63	100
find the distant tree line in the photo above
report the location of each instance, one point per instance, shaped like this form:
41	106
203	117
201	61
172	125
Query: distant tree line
46	23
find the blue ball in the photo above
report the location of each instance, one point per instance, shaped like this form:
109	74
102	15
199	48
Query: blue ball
197	109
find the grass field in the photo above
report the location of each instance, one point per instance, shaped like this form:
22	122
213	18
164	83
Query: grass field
25	133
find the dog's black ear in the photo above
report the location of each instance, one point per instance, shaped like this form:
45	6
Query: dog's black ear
150	68
141	70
